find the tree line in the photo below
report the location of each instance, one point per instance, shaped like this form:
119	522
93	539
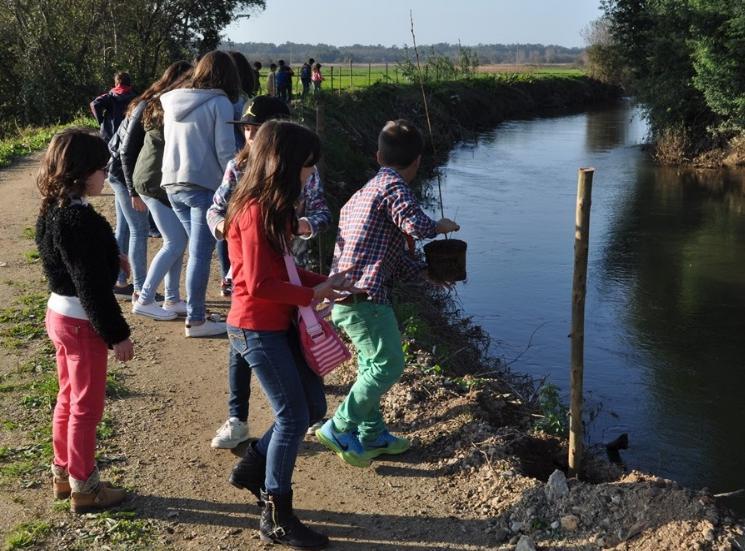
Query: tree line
685	62
55	56
357	53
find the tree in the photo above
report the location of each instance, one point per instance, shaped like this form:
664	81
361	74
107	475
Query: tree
55	56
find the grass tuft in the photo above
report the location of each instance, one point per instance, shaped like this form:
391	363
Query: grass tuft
27	534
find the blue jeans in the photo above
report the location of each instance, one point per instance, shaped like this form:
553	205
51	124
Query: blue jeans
294	392
222	256
131	232
166	264
239	385
190	205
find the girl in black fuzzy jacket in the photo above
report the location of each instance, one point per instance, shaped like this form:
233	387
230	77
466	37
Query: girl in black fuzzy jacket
81	261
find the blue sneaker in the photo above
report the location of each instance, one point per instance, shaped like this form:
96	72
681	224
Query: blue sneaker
344	444
385	443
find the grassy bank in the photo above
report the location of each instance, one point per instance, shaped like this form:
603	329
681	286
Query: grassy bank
28	140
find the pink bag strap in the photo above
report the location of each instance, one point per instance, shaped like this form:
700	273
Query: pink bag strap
312	325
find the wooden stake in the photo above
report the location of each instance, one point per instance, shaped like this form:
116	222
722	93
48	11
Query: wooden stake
579	290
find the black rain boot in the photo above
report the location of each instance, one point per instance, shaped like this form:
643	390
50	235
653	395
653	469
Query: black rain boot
280	525
248	473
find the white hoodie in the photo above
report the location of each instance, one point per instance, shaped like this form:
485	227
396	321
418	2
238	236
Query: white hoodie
199	142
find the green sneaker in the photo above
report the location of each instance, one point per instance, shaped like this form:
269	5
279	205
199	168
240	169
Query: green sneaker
385	443
344	444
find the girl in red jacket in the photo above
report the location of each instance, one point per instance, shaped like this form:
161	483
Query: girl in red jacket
260	223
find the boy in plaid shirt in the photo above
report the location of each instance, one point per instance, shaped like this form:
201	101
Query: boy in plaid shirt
371	247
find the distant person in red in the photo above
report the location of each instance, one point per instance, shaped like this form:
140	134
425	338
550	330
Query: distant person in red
110	108
317	78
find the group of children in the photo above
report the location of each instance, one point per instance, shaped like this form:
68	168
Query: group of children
270	196
279	79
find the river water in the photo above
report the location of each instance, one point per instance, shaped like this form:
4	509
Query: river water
665	311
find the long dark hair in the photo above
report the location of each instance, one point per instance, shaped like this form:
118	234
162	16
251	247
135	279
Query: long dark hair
152	116
278	154
245	72
216	70
170	75
72	156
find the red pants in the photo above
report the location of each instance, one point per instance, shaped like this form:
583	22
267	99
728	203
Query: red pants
81	369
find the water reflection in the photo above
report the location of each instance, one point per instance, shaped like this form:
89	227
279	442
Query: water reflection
666	287
679	243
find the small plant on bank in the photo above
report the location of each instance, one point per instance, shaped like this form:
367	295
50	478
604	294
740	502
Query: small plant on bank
27	534
553	412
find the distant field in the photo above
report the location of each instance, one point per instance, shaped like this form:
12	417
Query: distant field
341	77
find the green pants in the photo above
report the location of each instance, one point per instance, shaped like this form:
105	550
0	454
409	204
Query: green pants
374	332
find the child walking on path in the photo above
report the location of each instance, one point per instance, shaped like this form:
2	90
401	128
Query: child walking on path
371	248
313	216
259	225
81	262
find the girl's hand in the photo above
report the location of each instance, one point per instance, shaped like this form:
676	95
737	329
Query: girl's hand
124	264
330	289
303	227
138	204
124	351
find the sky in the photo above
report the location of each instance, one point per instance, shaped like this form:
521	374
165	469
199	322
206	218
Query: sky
386	22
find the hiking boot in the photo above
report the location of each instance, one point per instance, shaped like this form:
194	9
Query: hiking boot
385	443
249	472
93	495
344	444
60	482
230	434
280	525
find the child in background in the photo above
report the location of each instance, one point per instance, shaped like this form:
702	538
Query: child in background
271	81
317	78
371	249
260	223
81	262
313	216
110	108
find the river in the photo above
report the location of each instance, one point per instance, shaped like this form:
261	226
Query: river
665	311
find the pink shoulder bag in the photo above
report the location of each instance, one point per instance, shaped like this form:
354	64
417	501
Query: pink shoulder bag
322	348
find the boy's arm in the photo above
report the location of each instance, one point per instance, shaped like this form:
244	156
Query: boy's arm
100	105
404	211
218	209
317	212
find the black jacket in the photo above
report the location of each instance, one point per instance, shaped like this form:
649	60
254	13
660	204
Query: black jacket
81	259
132	138
109	110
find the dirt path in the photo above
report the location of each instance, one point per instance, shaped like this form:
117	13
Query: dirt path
163	427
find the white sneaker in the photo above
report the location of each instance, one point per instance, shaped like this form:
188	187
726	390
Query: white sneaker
208	329
230	434
153	311
314	427
179	308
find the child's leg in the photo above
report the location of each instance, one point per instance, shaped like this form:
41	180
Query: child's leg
374	332
239	384
86	360
55	330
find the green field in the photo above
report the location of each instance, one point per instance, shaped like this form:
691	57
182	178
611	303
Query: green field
342	77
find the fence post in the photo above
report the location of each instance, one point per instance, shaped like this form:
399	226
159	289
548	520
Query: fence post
579	290
351	80
386	71
369	73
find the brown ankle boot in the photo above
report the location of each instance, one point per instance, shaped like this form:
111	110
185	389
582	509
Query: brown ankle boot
60	482
93	495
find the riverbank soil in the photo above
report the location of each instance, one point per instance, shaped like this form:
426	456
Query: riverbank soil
474	478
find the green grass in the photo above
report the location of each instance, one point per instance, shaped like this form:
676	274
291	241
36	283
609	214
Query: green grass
121	529
29	233
27	534
23	322
28	140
